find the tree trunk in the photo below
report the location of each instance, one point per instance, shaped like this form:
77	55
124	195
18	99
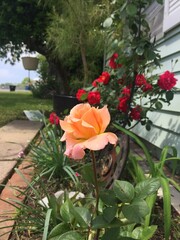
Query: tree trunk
84	60
60	74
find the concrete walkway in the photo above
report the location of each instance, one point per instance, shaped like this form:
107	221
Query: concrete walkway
14	139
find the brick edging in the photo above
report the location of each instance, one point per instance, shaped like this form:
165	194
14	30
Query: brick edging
7	211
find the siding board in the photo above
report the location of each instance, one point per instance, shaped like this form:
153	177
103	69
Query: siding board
166	122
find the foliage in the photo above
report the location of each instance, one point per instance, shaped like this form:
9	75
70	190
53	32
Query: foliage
127	85
14	103
48	156
124	211
121	209
156	171
48	28
75	28
25	81
43	69
23	23
47	85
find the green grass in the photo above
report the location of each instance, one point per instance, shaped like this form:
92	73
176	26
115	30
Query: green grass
12	105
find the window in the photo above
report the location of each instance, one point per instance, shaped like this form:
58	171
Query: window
171	14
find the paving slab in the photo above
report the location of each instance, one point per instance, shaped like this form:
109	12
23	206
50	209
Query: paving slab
14	138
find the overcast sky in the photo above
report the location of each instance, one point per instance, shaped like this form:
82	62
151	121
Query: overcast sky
14	73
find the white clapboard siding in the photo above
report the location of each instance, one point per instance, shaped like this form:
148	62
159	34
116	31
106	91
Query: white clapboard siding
154	16
170	45
166	122
159	137
171	14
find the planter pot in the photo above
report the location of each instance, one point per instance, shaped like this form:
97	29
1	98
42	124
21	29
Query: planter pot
12	88
63	102
30	63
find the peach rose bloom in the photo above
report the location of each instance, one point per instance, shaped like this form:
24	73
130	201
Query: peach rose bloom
85	128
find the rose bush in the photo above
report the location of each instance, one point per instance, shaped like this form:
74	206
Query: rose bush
128	99
126	84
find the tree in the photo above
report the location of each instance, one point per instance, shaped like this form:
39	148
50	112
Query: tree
24	25
25	81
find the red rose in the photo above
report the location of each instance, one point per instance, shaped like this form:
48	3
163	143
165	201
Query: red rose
126	91
94	97
167	81
80	93
53	118
140	80
94	83
105	77
136	113
123	104
112	61
147	87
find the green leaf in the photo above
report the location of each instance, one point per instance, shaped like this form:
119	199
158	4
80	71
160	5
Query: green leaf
84	96
108	197
169	95
148	127
166	207
71	235
151	55
81	215
109	213
87	173
146	188
66	213
144	233
99	222
158	105
58	230
46	224
136	211
131	9
117	234
160	1
108	22
123	191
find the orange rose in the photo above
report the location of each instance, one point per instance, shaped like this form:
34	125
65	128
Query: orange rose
85	128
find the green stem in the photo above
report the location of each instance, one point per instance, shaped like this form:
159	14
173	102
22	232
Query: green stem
95	181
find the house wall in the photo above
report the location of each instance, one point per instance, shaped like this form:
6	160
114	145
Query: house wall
166	122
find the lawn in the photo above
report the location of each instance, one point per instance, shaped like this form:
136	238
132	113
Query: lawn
12	105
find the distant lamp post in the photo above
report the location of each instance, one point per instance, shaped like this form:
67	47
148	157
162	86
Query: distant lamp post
30	64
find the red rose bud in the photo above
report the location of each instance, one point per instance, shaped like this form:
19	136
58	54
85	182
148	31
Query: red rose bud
147	87
126	91
140	80
123	104
112	61
105	76
80	94
136	113
54	119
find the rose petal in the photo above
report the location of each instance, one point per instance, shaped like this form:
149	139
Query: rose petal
100	141
77	152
